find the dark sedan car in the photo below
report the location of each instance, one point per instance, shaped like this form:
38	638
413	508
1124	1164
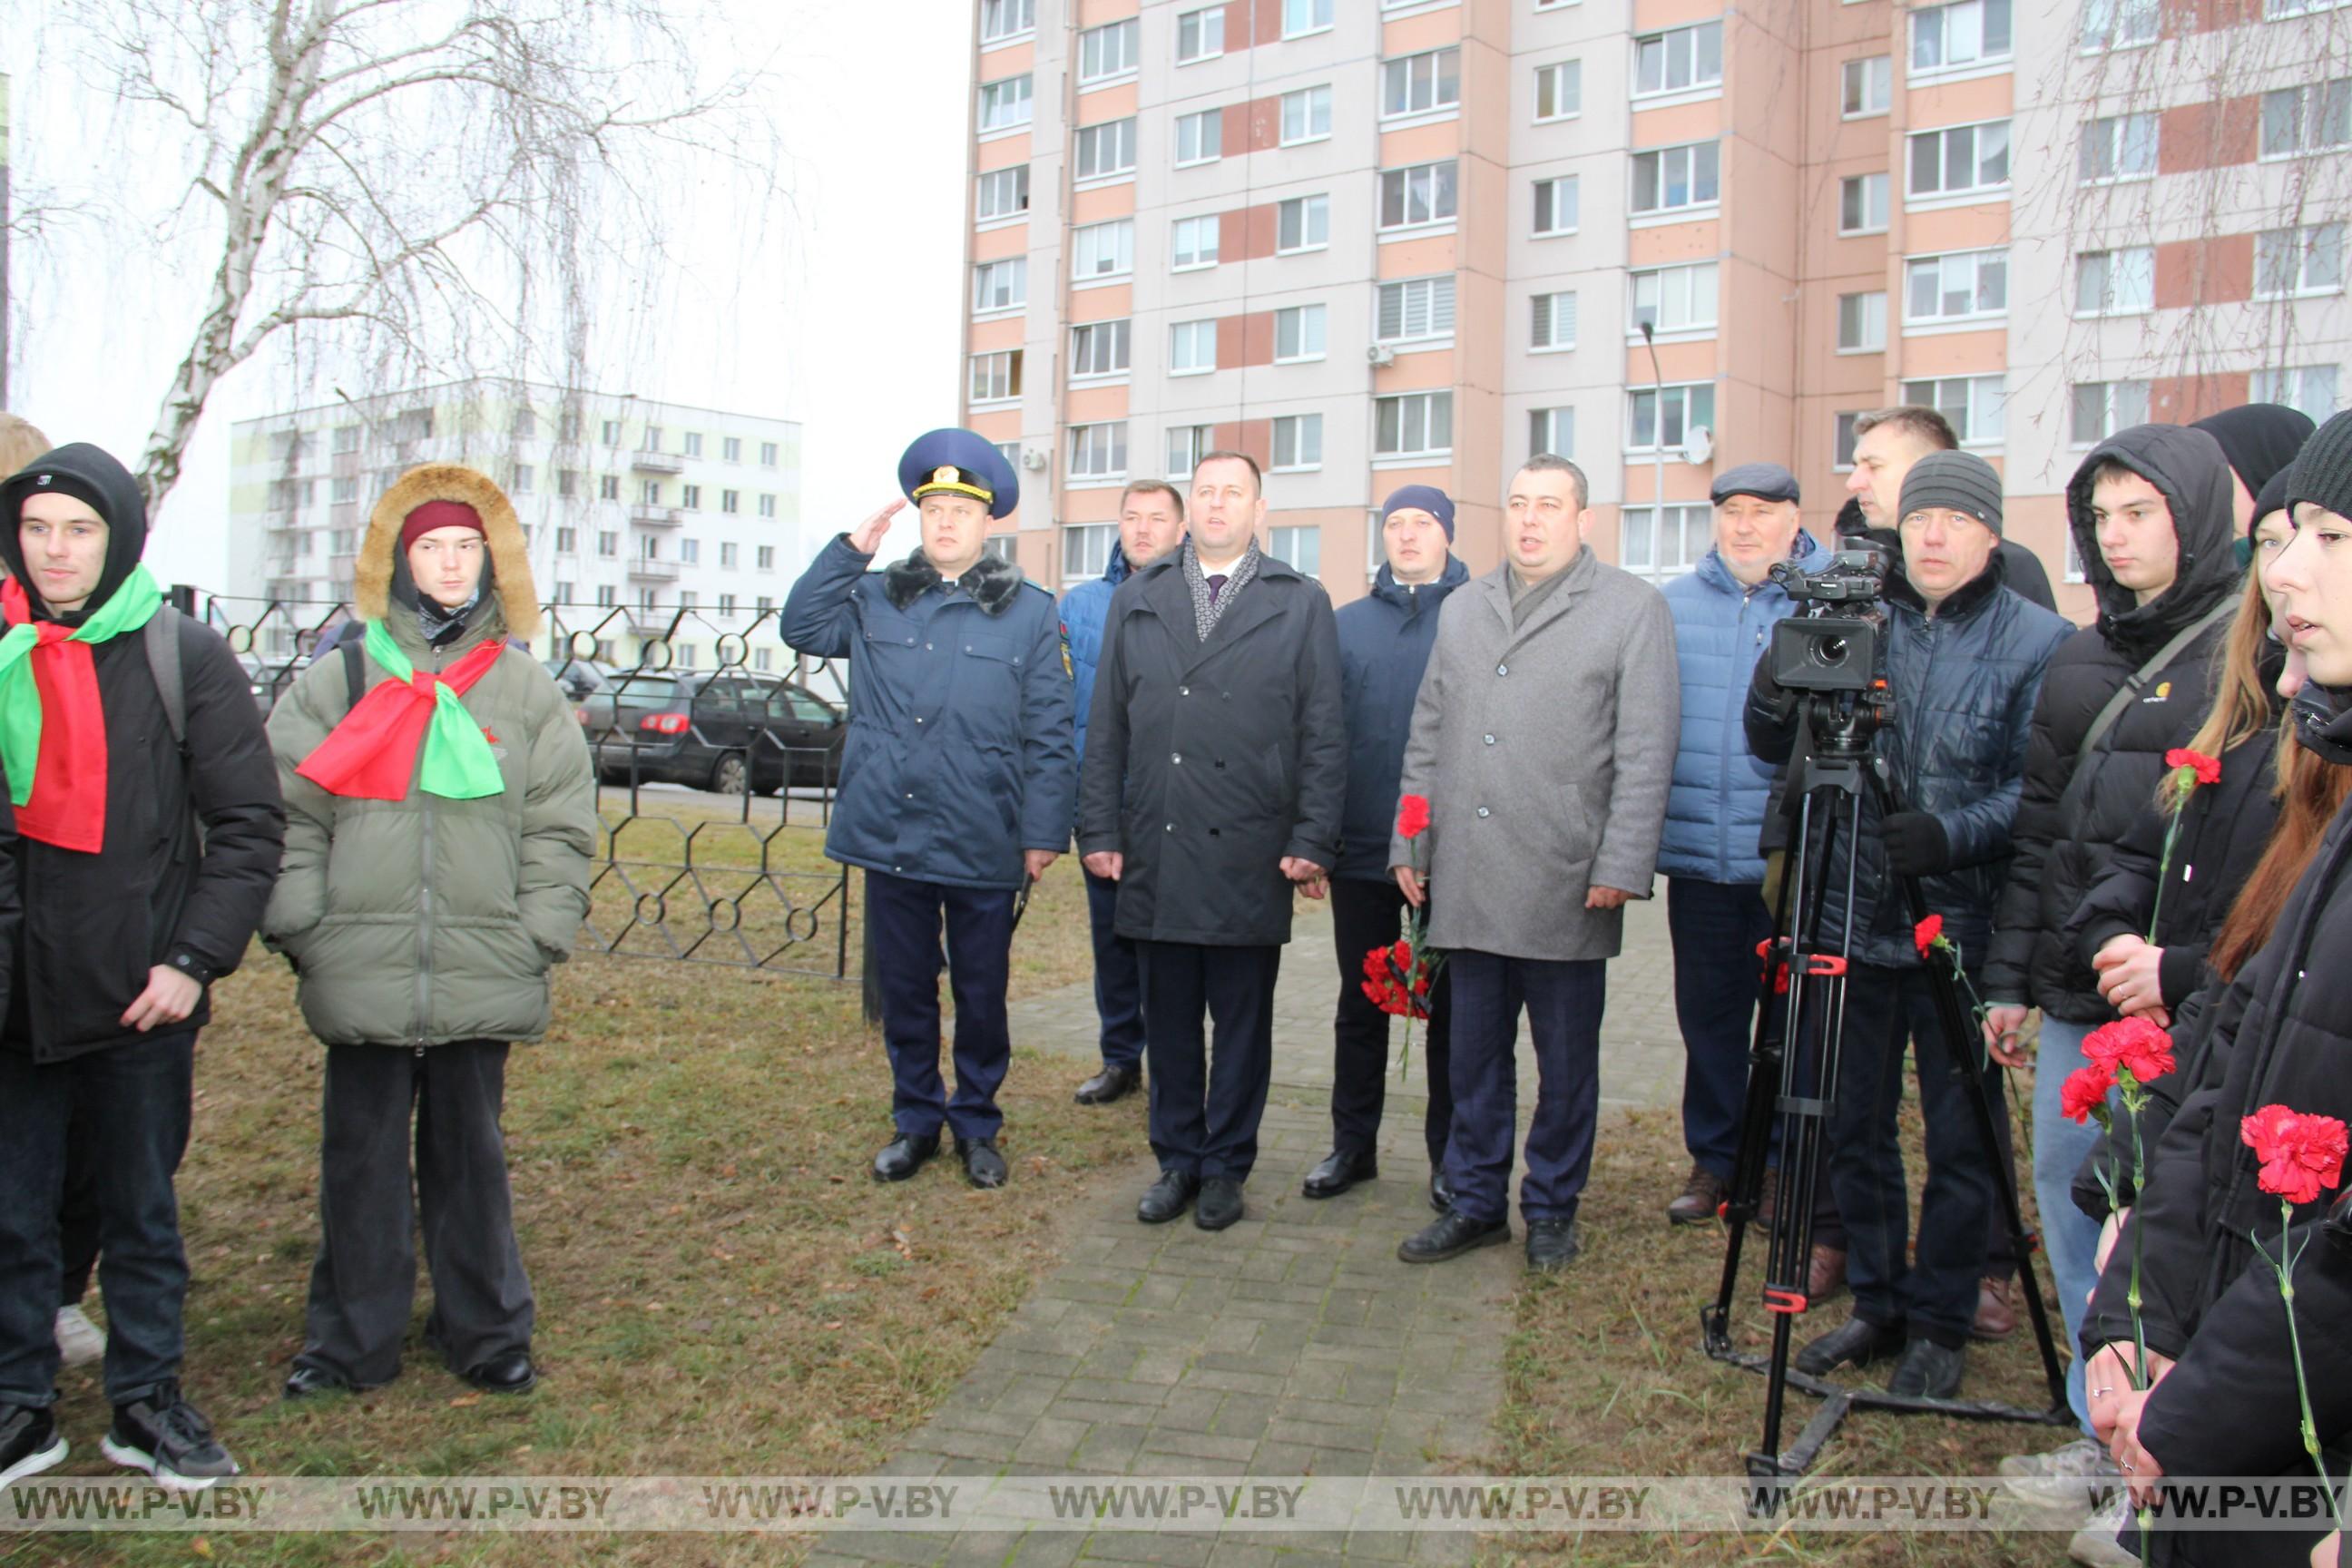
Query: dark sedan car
719	731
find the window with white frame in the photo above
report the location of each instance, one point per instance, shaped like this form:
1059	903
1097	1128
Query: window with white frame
1098	348
1976	406
608	487
1102	251
1669	179
767	506
999	285
1200	35
2119	23
1963	286
1192	348
1304	17
1086	550
2115	282
1109	50
1104	150
1421	83
1415	308
1861	322
996	376
1193	242
2118	147
1423	194
730	556
1862	204
2311	388
1961	160
1552	321
1298	442
693	497
1298	333
1003	193
1003	20
1302	223
1869	87
608	543
1665	415
1099	451
764	558
524	479
1200	138
2289	262
2278	10
2308	118
1551	430
1187	445
1957	37
1008	450
1559	90
1842	438
1681	59
1671	299
1004	104
1305	115
767	454
730	448
1651	545
1412	424
694	443
2100	408
1299	544
1555	206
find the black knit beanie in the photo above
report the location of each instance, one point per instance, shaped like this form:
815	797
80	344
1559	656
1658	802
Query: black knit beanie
2259	439
1956	482
2323	472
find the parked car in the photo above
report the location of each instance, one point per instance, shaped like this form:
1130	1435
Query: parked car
580	678
719	730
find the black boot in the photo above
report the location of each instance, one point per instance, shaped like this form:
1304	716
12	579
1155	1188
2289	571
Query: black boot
1451	1235
1552	1245
983	1167
1440	1191
1928	1371
1858	1344
1167	1197
1111	1083
1340	1169
904	1155
1219	1205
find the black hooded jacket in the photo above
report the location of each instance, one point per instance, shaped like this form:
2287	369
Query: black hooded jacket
155	894
2062	848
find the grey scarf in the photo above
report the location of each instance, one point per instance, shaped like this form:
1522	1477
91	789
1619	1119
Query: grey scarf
1205	611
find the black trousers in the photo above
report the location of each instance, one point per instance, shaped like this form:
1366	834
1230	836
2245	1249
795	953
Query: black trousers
909	917
79	1222
1206	1103
364	1285
1366	915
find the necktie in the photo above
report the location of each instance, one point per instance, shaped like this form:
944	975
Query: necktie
1216	587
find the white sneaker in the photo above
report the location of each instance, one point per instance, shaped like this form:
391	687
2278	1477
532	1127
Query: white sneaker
2095	1545
2073	1475
79	1341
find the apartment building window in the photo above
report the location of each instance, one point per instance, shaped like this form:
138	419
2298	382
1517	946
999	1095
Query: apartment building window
1843	439
730	448
2100	408
1954	38
1086	550
1099	451
1670	179
730	501
606	598
1416	308
608	487
1010	451
1302	546
1004	104
1106	150
1102	251
564	592
1298	443
1109	50
1302	223
1192	348
1965	286
1961	160
343	489
1559	90
1001	285
1200	138
1421	83
1862	204
693	444
608	543
1665	545
2311	388
1861	322
767	506
729	556
2118	147
2289	262
2306	118
347	438
282	495
1003	193
525	479
1681	59
1869	86
1555	206
996	376
1552	322
693	497
653	442
567	541
2115	282
2119	23
1412	424
1098	348
766	559
1200	35
689	553
649	493
609	432
1551	430
1305	115
1193	242
345	540
1003	20
1187	445
767	454
1673	299
1665	415
1974	404
1423	194
1298	333
725	603
1300	17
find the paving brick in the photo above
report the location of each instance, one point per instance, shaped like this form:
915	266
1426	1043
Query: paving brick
1109	1446
1164	1548
1199	1444
1051	1441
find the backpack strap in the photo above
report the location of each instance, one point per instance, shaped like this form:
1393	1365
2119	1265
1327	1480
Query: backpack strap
354	672
161	635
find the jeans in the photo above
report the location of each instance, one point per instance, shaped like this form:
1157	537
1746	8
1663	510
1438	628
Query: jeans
133	1102
78	1218
1365	915
2070	1238
1563	1001
1118	983
1205	1104
1714	927
907	916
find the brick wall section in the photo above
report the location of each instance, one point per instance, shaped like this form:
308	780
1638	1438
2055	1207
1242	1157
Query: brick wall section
1252	127
1245	340
2213	271
1245	233
2210	135
1255	437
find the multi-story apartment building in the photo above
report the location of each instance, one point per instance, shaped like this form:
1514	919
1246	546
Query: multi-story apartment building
647	519
1373	242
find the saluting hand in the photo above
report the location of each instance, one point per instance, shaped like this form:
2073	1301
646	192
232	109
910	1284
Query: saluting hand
866	537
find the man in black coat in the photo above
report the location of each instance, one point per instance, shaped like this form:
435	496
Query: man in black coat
1885	444
142	867
1212	785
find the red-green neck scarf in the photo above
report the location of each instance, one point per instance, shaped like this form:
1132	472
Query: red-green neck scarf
410	729
52	726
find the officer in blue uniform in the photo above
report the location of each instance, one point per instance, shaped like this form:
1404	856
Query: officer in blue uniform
958	779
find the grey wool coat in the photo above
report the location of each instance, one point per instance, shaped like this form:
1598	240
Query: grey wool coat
1545	751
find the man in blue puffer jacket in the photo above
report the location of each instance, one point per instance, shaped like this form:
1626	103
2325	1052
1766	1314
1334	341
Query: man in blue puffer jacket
1715	913
1150	523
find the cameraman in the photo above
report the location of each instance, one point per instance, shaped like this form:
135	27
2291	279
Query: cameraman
1963	663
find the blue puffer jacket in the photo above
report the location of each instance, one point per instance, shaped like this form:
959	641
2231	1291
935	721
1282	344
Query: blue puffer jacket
1083	609
1714	810
1384	643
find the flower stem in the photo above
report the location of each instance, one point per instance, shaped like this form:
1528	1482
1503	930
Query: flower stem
2301	1387
2164	866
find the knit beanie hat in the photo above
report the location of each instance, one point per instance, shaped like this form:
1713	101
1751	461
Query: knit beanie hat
2259	439
1429	498
435	514
1956	482
2322	474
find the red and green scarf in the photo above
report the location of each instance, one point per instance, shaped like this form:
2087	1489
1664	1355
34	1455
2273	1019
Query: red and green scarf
411	729
52	725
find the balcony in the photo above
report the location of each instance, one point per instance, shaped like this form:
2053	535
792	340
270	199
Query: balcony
645	516
656	463
648	569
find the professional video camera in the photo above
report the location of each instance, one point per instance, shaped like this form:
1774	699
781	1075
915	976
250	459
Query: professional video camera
1837	639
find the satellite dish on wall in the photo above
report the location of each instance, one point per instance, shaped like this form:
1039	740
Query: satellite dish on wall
1698	446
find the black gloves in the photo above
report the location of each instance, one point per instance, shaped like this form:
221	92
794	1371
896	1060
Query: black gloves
1916	844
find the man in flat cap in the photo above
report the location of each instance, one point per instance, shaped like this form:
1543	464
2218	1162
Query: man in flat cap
958	782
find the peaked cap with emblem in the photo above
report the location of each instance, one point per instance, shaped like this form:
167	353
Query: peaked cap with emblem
960	462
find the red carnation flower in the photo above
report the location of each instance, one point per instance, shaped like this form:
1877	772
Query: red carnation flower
2084	1090
1412	816
2207	769
2301	1156
2135	1043
1928	933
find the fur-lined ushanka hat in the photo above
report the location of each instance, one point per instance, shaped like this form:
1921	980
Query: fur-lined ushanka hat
501	533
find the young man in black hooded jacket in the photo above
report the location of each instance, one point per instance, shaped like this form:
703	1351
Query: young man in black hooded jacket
141	864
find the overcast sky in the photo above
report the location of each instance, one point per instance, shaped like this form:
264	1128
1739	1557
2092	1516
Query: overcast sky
841	311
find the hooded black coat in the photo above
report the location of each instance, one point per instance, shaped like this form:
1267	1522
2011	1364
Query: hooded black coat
2062	848
156	893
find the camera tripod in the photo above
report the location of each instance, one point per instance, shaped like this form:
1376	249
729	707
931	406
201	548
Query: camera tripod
1794	1090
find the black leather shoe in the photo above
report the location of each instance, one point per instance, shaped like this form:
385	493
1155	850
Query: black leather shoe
304	1382
1440	1191
1111	1083
983	1165
509	1374
1451	1235
1168	1196
1858	1344
1340	1169
1552	1245
903	1156
1928	1371
1219	1205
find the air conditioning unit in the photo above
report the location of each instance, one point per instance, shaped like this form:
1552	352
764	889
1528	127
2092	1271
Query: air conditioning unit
1698	446
1379	353
1034	459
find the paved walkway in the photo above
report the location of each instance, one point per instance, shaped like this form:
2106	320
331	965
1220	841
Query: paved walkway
1293	1343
